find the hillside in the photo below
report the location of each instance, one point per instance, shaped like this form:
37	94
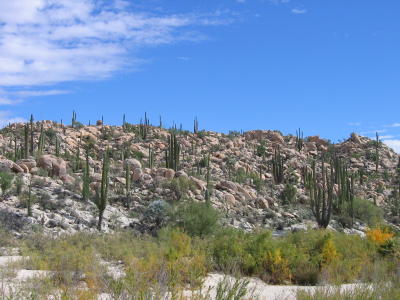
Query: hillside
256	179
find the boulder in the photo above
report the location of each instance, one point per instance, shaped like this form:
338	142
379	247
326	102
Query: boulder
226	185
133	163
7	165
54	165
28	163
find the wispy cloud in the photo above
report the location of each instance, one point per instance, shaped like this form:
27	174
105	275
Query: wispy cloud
46	42
394	144
386	137
299	11
373	132
354	124
7	118
393	125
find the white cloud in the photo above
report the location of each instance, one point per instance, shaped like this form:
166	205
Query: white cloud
46	42
6	118
386	137
298	11
394	144
393	125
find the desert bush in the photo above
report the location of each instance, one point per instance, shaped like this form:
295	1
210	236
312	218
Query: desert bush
367	212
180	186
196	218
6	180
288	195
157	214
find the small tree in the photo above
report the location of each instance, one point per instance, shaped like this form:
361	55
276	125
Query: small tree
101	196
5	181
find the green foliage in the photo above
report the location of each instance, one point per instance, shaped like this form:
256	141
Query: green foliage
179	186
277	167
172	154
86	178
102	195
232	290
299	140
19	184
289	193
6	180
196	218
261	149
367	212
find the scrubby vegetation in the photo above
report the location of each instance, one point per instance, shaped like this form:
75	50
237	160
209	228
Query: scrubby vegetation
181	254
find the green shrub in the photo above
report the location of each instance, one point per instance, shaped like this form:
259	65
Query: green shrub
289	193
367	212
180	186
196	218
6	179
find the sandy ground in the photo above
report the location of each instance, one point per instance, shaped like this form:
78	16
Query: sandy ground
257	289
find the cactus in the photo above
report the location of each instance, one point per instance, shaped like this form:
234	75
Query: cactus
29	199
57	146
144	127
41	141
151	158
15	148
86	177
77	164
102	195
26	139
321	194
31	125
73	119
123	123
299	140
160	124
127	179
195	126
277	167
377	144
208	192
172	153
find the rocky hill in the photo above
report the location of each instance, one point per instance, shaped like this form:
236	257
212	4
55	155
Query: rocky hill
255	179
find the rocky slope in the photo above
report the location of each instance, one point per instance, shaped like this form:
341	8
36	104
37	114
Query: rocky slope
241	184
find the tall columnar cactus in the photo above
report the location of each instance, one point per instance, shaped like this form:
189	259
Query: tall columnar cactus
377	144
151	158
144	127
102	194
172	153
41	141
57	146
195	126
160	123
26	139
73	119
123	123
31	125
15	148
277	167
208	187
127	179
299	140
77	159
29	199
320	193
86	177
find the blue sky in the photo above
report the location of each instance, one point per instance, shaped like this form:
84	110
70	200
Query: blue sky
330	67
